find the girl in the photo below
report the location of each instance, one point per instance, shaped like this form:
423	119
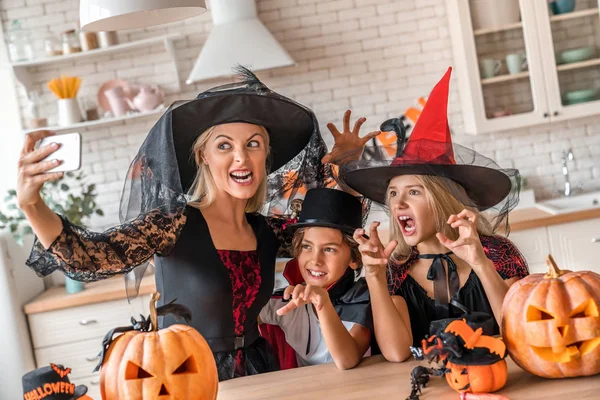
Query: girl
443	258
328	316
214	253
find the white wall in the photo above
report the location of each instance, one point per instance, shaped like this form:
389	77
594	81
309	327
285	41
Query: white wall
373	56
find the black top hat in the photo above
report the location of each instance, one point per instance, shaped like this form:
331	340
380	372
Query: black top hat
51	383
330	208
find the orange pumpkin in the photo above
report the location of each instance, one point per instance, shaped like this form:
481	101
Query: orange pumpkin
551	323
477	378
171	363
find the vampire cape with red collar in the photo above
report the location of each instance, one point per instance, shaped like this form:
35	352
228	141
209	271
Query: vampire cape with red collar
350	300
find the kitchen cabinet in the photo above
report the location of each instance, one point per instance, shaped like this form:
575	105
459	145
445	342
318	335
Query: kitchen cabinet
574	245
536	94
73	336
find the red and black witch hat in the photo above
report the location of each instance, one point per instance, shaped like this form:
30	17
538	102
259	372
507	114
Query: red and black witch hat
429	151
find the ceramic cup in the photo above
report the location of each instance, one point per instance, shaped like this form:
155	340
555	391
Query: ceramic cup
68	112
490	67
516	63
73	286
117	101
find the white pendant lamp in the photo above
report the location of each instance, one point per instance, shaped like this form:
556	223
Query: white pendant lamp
115	15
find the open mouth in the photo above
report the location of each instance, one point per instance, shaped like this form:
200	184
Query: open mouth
316	274
241	177
407	225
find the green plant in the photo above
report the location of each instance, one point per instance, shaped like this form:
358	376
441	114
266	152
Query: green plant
58	195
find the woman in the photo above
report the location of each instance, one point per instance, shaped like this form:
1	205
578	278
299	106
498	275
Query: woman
443	260
191	201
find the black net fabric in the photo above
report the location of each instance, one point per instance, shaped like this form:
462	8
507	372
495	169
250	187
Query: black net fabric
162	172
489	188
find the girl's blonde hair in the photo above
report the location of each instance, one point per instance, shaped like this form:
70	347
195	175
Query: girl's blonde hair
202	193
444	197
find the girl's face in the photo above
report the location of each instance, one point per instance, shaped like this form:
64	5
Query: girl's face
324	256
236	155
409	208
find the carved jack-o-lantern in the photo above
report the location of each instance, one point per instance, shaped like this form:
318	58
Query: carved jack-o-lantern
171	363
477	378
551	323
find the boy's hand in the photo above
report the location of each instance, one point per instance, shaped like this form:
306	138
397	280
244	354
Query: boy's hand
301	295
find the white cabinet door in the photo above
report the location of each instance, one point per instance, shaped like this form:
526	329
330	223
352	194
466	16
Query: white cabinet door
534	245
557	33
522	94
576	245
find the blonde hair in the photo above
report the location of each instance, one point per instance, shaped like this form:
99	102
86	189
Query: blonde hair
203	190
444	197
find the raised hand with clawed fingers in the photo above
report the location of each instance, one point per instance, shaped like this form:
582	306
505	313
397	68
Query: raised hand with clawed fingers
468	245
348	144
375	256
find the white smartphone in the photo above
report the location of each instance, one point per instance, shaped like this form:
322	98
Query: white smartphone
69	151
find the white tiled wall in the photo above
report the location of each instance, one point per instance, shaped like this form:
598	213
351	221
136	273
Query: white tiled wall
373	56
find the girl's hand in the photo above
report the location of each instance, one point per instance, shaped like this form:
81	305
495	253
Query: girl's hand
301	295
375	256
348	145
468	246
31	176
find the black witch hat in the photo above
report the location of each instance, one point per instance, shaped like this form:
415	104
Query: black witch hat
164	169
52	383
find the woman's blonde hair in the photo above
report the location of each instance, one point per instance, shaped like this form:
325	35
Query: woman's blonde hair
444	197
202	193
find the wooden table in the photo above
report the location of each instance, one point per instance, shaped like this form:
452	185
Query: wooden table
375	378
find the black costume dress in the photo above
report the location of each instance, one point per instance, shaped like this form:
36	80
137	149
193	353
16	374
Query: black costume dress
507	260
224	289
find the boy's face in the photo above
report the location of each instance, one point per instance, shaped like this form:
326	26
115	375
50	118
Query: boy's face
323	257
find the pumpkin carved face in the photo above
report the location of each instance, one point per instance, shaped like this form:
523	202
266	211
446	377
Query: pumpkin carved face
174	363
551	323
477	378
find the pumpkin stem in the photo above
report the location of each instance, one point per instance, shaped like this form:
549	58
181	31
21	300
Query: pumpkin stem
153	315
553	270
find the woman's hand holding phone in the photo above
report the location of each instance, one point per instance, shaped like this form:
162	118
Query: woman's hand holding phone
32	169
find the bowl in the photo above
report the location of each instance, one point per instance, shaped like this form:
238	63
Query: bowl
575	55
580	96
562	6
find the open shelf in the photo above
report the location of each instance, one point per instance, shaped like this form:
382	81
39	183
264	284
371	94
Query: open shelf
575	14
485	31
21	68
102	121
504	78
577	65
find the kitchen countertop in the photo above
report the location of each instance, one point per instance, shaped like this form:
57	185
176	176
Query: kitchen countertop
375	378
529	218
57	298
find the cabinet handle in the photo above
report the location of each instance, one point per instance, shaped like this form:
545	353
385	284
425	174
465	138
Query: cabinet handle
90	359
596	240
85	322
555	113
95	382
546	115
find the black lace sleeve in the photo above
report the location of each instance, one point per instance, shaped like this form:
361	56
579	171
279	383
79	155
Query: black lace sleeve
90	256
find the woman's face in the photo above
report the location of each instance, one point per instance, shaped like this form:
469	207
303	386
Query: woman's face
410	209
324	256
236	155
